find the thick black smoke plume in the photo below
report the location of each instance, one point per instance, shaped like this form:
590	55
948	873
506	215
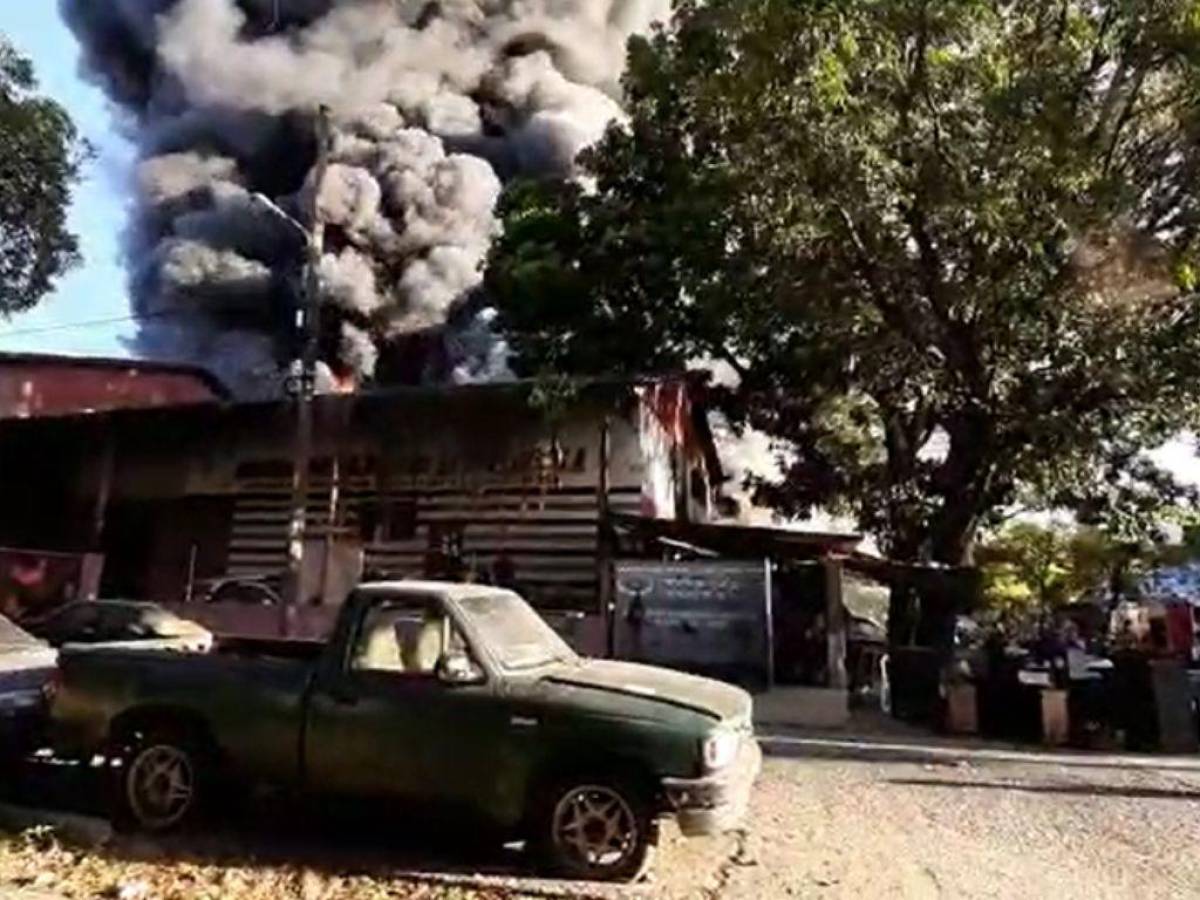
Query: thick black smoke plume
433	104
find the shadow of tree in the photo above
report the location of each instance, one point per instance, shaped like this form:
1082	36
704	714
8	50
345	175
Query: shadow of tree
279	829
1079	790
945	753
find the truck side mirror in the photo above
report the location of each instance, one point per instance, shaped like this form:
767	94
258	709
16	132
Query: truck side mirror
457	668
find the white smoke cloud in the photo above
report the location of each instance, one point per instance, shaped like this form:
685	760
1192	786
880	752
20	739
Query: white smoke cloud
358	51
348	280
558	116
431	284
358	349
177	176
349	197
432	106
482	354
193	269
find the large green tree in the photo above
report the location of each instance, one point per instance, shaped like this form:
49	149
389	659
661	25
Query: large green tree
948	246
40	158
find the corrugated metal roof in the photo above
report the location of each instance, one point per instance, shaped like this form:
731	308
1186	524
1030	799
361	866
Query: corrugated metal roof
148	366
740	540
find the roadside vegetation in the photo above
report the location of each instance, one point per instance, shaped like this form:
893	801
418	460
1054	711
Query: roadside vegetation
1031	570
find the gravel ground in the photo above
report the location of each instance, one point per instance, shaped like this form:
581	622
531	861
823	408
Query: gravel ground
838	828
828	828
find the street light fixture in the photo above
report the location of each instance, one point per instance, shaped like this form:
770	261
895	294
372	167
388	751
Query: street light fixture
294	380
277	212
308	322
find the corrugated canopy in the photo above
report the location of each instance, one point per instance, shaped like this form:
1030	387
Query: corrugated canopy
738	540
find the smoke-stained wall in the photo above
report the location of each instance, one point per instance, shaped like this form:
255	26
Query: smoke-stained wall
433	105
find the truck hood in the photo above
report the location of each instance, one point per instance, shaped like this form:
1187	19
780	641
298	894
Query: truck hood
704	695
25	662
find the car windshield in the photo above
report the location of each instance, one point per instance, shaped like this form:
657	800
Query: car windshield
518	636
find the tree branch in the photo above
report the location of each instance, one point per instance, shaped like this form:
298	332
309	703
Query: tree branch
892	314
1123	118
1110	98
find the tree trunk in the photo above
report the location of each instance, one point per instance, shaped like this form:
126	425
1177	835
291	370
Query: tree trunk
953	534
902	605
947	536
948	541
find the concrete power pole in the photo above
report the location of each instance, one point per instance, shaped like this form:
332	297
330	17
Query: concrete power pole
308	321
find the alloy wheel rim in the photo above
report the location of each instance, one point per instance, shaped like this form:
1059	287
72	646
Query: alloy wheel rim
595	827
161	784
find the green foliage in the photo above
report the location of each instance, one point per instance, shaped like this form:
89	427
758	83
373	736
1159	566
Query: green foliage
906	225
1031	569
552	396
40	159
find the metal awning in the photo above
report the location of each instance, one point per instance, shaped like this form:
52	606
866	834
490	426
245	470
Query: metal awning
737	540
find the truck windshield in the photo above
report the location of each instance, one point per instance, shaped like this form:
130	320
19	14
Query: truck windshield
517	635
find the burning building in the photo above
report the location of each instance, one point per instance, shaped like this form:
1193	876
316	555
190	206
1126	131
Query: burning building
484	482
431	106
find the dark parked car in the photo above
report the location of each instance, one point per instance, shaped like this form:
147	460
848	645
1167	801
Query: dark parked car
252	590
147	625
27	668
446	695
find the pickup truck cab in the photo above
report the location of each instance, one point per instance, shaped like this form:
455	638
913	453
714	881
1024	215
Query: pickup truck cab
446	694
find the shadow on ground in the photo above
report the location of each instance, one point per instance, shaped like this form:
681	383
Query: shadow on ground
279	830
938	751
1079	790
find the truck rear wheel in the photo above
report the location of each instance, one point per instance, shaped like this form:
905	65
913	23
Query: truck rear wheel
161	783
598	829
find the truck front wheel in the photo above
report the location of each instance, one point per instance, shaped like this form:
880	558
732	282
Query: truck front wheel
598	829
160	782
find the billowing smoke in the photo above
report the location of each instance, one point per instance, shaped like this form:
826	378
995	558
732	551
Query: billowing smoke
433	105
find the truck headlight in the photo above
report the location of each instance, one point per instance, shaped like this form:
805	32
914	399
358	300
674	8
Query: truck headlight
720	749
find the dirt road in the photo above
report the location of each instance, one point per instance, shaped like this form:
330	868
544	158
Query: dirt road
819	827
843	828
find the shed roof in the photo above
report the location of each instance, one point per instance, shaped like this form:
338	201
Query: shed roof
739	540
110	363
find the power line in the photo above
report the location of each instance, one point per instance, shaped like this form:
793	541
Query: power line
115	320
64	326
209	309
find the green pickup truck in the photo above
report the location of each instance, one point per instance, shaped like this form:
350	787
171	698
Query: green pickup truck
456	696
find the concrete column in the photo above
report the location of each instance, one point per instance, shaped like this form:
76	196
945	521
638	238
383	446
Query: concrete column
835	623
104	478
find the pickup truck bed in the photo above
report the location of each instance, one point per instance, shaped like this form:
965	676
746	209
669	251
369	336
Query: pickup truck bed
254	689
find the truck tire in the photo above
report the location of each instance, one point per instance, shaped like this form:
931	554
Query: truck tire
594	828
162	781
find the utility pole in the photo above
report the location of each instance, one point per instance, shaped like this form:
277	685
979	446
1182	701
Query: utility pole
308	322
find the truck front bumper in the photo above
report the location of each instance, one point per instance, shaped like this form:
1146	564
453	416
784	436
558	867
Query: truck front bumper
717	802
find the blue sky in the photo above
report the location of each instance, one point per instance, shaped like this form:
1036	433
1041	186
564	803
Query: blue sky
95	290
